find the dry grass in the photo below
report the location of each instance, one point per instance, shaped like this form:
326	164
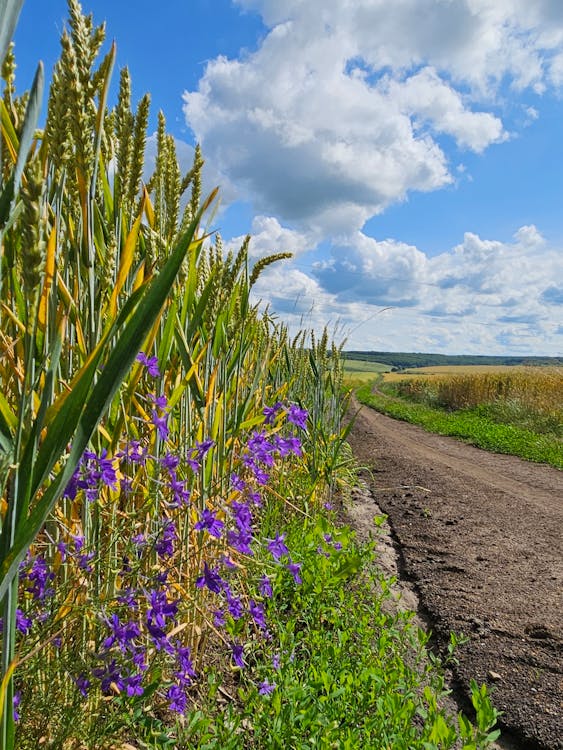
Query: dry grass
517	395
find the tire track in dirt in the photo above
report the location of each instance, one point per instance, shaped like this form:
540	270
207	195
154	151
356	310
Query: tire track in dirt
481	537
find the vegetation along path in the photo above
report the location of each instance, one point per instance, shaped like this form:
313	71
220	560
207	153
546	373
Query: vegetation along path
480	535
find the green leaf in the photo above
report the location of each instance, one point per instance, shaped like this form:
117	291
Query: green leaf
29	124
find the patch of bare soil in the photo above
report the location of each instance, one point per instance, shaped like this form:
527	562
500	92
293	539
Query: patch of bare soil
480	538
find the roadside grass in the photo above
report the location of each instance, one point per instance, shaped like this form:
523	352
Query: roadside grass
338	670
476	426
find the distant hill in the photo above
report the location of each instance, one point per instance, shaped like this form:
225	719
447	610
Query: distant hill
403	360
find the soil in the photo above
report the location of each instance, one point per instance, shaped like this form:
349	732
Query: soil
479	538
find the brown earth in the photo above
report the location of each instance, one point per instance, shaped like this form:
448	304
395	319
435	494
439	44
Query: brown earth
480	537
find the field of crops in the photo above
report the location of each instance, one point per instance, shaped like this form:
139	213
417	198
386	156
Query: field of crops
515	410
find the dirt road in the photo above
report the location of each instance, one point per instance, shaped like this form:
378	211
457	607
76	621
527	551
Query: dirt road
481	537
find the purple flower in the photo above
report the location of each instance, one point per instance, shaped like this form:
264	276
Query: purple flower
236	609
276	663
265	688
82	683
255	498
277	546
151	363
161	402
218	618
210	523
23	623
181	495
265	587
237	653
297	416
203	448
177	700
84	562
78	543
257	613
16	700
161	608
210	578
161	424
237	483
164	545
170	461
107	472
294	569
39	577
133	685
270	412
241	540
187	670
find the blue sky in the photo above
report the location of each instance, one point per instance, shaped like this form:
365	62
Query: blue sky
408	152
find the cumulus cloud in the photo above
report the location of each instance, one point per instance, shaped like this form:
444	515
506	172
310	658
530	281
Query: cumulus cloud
268	236
480	296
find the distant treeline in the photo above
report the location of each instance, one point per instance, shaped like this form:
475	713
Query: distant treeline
404	360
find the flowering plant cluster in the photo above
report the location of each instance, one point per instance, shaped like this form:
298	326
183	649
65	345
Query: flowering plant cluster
191	560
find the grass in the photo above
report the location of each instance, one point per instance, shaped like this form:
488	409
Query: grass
356	369
474	426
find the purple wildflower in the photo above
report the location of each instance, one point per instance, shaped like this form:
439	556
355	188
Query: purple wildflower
277	546
169	461
294	569
164	545
203	448
177	700
161	402
257	613
276	662
241	540
161	424
237	653
210	578
16	700
23	623
84	562
270	412
210	523
265	587
133	685
237	483
181	495
187	671
218	618
39	577
82	683
297	416
235	606
266	688
151	363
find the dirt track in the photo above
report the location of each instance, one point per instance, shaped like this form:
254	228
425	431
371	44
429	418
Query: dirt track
481	537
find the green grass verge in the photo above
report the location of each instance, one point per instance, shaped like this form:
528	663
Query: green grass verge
469	426
340	670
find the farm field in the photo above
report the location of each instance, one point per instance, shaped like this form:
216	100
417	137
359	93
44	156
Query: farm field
509	410
357	370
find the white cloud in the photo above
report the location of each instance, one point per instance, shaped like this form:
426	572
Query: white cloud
268	236
481	296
